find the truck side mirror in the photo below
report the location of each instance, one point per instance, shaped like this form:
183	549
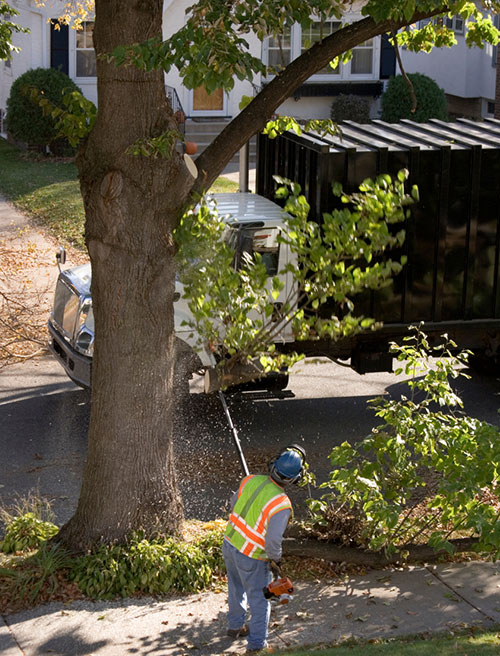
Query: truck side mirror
61	256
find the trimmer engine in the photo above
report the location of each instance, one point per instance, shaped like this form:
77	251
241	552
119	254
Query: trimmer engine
280	591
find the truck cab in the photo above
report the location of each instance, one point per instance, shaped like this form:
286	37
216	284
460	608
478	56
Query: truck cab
253	224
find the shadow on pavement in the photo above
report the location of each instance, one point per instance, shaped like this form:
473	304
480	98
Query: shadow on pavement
43	437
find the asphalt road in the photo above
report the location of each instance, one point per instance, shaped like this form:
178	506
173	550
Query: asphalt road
44	421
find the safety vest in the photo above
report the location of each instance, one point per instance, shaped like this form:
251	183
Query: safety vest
259	498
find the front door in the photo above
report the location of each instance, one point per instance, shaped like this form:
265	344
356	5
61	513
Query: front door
208	104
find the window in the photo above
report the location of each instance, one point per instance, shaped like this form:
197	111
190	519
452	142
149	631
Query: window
293	42
85	54
315	32
456	23
362	59
279	50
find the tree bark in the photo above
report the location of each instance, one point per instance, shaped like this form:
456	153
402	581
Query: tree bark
132	204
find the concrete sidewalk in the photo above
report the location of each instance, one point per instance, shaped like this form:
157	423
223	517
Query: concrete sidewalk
385	603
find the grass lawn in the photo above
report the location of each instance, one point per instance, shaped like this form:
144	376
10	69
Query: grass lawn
48	190
476	643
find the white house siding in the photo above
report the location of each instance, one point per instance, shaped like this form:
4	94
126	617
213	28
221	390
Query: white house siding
31	45
465	74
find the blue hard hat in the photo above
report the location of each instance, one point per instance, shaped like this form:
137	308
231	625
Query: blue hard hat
288	466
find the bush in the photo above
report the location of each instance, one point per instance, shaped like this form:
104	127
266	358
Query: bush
426	475
141	566
396	101
33	579
26	120
350	107
26	532
152	567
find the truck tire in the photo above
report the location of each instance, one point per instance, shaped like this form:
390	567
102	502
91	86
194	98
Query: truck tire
273	382
276	382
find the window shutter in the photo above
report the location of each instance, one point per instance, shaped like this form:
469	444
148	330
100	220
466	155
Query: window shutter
59	57
387	58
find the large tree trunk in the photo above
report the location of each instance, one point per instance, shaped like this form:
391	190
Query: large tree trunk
132	204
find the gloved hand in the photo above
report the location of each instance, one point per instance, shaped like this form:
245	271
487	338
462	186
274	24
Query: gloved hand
275	568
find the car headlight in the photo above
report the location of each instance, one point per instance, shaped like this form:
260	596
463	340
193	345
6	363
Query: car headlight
84	334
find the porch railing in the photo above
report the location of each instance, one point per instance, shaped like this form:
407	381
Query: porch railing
176	105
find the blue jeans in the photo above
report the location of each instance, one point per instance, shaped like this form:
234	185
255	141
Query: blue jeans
246	577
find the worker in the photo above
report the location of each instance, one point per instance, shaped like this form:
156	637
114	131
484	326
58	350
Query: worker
252	544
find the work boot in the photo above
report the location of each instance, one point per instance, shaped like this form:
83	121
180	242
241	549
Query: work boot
238	633
262	650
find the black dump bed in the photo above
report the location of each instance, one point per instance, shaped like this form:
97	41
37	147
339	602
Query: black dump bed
452	243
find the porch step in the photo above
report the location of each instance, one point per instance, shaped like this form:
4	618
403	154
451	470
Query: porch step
204	131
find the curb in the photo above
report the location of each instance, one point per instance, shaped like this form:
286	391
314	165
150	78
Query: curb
8	644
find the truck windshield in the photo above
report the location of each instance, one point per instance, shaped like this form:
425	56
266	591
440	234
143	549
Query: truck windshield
254	238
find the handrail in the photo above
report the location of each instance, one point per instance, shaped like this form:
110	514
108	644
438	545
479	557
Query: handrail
176	105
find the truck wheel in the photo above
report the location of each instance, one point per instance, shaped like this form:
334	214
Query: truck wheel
276	382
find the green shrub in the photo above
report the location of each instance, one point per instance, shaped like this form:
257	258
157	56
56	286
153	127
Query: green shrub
37	576
350	107
427	474
26	532
149	567
210	545
26	120
396	100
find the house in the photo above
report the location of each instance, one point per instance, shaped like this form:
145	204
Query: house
72	52
467	76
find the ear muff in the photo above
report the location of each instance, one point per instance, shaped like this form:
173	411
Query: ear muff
300	450
283	476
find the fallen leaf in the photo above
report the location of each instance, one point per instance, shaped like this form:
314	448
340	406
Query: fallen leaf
362	618
450	595
302	613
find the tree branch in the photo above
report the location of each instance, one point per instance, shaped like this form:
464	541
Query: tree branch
404	74
254	117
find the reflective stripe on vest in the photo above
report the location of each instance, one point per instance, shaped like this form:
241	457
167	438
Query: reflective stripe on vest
259	498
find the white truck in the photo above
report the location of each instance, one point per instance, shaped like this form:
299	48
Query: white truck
253	225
